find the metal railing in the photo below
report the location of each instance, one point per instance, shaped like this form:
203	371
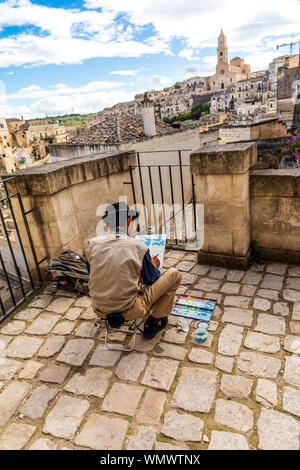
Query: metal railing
157	193
15	274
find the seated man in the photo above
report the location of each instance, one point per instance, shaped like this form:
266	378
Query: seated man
123	277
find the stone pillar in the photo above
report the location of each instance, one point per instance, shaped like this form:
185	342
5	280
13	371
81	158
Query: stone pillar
222	185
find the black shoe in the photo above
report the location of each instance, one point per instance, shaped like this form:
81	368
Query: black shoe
154	326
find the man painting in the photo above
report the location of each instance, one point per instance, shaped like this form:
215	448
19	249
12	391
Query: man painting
124	279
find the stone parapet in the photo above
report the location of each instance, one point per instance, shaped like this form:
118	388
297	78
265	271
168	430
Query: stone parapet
221	177
54	177
65	198
275	213
230	159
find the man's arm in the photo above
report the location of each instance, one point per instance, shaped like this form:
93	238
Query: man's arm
149	273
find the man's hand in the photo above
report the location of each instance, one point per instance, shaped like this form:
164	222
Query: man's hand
155	261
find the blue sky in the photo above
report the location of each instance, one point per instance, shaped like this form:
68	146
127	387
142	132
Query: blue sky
68	56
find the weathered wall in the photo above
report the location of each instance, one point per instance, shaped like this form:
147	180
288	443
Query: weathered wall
275	213
60	152
65	197
267	129
285	91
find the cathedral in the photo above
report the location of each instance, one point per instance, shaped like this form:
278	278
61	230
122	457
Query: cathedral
227	73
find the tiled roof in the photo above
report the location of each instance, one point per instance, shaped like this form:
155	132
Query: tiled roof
118	129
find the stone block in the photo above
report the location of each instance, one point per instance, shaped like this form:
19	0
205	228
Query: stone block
277	431
66	417
160	373
151	408
266	393
102	432
221	440
235	386
38	402
16	436
258	365
195	390
75	351
131	366
183	427
94	382
122	399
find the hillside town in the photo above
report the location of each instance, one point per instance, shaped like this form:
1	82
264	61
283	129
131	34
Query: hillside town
233	96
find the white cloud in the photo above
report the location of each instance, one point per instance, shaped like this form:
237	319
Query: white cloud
155	81
200	21
59	89
53	102
110	28
187	54
66	36
123	72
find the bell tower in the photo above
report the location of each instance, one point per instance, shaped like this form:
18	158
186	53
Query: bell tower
222	50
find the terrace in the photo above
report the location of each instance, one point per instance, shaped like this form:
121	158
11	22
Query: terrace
60	387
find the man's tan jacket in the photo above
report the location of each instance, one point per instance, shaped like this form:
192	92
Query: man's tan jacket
115	267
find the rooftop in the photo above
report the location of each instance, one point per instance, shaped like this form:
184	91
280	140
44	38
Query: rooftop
117	129
240	389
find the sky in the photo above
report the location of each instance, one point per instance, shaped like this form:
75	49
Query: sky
80	56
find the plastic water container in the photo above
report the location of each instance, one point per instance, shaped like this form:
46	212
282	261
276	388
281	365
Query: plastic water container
201	334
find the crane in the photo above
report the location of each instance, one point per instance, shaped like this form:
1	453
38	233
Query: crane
292	45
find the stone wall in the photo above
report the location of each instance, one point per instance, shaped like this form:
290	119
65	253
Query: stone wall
275	213
60	152
240	204
267	129
65	199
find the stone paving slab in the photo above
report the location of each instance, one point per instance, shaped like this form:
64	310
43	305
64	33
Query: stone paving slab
76	351
65	418
102	433
196	390
16	436
221	440
277	431
238	390
95	382
131	366
151	408
122	399
258	365
37	403
183	427
234	415
43	324
10	398
23	347
143	440
160	373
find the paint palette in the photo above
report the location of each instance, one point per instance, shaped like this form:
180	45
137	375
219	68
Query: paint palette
194	307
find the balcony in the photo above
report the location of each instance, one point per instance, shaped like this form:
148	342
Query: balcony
60	387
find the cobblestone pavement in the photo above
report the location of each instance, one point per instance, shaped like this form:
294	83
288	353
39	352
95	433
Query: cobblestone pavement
60	388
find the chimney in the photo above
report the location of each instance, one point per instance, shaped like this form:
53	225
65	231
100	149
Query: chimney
148	116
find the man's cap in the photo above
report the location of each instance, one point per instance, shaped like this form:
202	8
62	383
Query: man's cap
118	213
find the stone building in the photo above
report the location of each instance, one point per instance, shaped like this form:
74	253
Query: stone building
227	73
7	154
